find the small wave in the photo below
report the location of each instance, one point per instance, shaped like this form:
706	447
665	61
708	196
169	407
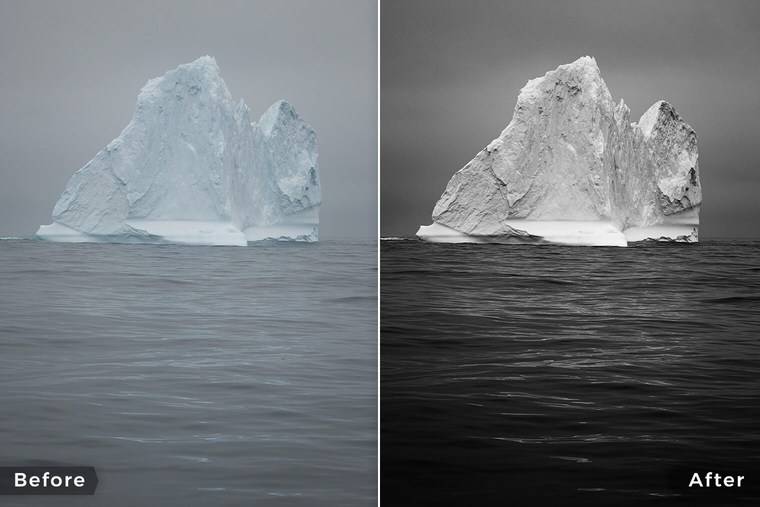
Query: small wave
353	299
577	459
733	299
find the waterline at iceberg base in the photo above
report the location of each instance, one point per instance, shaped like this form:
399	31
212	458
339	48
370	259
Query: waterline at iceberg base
192	168
571	168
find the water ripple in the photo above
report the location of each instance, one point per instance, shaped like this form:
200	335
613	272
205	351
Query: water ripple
505	364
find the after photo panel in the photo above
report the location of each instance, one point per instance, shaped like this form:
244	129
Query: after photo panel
569	253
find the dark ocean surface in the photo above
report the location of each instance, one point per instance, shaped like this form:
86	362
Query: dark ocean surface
192	375
551	375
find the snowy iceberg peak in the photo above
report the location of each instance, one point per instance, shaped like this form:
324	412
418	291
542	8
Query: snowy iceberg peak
580	79
571	158
201	79
191	160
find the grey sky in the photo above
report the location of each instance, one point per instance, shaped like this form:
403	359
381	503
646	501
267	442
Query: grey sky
70	73
451	72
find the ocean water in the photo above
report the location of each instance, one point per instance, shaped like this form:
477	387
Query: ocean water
192	375
550	375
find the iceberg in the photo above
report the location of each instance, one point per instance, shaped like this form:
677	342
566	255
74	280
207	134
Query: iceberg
192	168
571	168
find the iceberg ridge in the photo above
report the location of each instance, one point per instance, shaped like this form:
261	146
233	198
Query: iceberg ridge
571	168
191	167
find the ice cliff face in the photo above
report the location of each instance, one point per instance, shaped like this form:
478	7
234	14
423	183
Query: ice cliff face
571	168
191	167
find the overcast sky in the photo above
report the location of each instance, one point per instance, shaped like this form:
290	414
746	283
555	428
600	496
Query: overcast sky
70	73
451	72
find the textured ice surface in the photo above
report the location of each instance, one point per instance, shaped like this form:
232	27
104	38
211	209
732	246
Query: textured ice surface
572	168
191	167
564	232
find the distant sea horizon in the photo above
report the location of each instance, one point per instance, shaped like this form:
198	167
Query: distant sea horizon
391	237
